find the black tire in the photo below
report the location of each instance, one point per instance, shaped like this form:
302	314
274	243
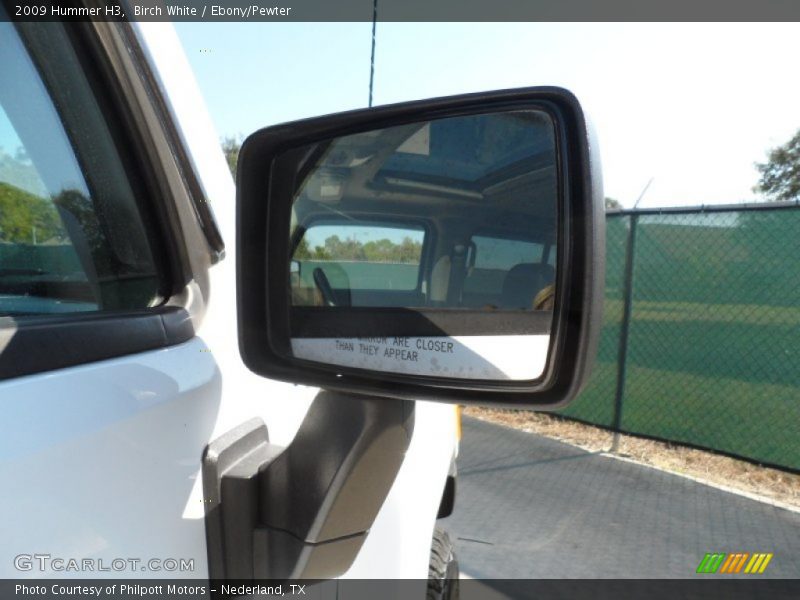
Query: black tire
442	569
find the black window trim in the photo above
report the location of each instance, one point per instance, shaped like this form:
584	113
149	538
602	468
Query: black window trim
198	200
46	343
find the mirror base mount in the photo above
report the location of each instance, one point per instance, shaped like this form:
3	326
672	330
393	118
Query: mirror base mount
281	513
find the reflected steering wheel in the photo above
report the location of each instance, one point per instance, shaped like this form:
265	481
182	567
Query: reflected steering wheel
324	287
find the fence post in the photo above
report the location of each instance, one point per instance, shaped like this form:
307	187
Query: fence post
627	308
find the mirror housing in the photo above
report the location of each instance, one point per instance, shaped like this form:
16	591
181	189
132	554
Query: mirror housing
274	165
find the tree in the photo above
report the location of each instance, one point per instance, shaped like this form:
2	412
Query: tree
612	204
231	146
302	252
21	213
780	175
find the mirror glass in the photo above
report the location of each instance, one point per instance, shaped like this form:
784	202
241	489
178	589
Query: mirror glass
428	248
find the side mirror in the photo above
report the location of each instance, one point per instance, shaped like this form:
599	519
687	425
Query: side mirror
449	250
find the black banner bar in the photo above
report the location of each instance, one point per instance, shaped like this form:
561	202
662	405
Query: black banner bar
744	587
279	11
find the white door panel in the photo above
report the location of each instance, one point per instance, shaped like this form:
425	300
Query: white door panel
98	461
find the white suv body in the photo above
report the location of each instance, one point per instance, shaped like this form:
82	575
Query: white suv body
101	459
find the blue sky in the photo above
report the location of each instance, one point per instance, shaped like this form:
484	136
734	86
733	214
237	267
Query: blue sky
691	106
253	75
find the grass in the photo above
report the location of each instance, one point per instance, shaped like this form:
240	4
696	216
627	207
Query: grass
719	376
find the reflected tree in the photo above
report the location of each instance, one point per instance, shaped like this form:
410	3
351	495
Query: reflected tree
26	218
408	251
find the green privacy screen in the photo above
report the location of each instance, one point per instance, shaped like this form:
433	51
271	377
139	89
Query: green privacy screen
712	352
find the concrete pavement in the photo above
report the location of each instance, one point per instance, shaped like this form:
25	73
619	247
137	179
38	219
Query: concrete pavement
531	507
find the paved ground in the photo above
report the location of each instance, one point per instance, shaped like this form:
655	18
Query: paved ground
531	507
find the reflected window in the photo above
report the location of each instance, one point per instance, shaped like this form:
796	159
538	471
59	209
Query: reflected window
362	265
508	273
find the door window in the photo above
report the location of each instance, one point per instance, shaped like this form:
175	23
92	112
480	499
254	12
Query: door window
72	235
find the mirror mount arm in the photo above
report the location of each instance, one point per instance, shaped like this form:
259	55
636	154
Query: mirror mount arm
282	513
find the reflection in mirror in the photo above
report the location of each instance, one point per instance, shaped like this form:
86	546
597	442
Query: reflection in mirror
447	229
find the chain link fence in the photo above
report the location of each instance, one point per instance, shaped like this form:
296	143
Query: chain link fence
701	334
